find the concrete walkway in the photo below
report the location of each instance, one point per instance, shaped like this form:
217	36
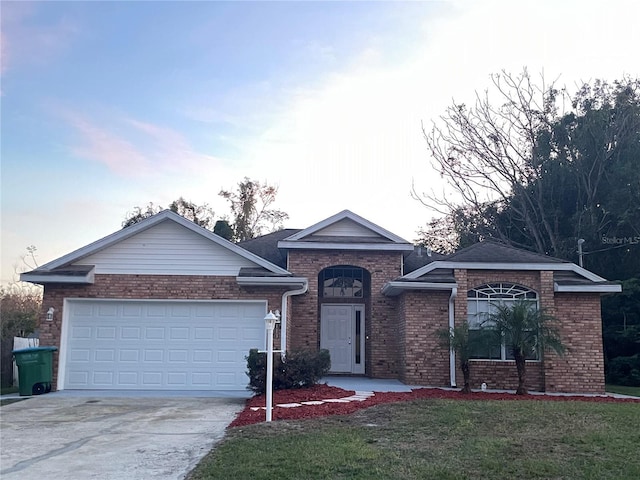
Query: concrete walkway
366	384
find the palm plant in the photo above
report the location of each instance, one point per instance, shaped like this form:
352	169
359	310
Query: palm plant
458	340
525	330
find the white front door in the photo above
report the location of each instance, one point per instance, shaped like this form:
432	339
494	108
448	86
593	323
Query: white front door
342	333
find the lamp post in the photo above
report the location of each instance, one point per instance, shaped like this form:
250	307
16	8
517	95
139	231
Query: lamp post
270	321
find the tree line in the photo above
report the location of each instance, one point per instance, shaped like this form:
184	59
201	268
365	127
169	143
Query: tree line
252	212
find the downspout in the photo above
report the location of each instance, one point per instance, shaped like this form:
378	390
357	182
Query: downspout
285	313
452	353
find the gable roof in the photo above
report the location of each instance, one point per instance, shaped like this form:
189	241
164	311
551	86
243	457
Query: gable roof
58	270
493	255
345	231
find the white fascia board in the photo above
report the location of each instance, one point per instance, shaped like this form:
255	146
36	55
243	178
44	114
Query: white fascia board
395	288
87	279
564	267
271	281
346	214
587	288
387	247
150	222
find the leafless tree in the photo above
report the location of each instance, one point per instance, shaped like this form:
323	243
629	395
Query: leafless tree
487	152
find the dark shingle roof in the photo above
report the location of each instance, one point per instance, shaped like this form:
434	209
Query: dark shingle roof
439	275
419	258
259	272
492	251
66	271
266	246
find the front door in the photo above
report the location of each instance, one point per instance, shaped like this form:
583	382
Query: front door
342	333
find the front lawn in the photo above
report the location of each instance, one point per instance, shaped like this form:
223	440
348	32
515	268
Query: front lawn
439	439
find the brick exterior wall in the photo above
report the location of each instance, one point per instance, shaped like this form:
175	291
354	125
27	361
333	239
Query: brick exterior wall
381	318
148	287
503	375
582	367
580	370
424	361
400	331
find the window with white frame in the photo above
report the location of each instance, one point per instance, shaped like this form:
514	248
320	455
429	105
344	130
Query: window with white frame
342	281
481	302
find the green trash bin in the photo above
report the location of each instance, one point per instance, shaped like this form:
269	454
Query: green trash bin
35	369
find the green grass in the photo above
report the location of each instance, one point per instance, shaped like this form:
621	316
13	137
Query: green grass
623	390
7	390
439	439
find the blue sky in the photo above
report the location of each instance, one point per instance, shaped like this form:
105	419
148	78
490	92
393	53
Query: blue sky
109	105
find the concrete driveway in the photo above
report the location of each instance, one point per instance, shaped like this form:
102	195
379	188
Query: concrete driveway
65	436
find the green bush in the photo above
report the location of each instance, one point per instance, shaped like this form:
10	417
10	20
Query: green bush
624	371
300	368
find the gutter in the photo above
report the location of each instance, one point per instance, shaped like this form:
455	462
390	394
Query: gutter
271	281
394	288
285	313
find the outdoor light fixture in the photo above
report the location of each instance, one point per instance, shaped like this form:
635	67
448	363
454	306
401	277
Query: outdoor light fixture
270	321
50	314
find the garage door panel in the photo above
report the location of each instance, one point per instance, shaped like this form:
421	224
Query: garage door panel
161	345
154	333
106	332
252	334
203	333
178	356
179	333
76	355
103	377
80	332
105	355
128	355
108	310
130	333
132	310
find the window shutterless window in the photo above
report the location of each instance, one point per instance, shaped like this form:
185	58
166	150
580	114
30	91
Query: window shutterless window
481	303
342	282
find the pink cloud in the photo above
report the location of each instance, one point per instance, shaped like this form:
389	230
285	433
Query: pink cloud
24	42
133	148
102	146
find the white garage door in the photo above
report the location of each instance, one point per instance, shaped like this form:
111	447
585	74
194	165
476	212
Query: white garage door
160	345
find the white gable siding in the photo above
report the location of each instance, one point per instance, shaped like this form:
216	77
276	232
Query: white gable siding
167	249
345	228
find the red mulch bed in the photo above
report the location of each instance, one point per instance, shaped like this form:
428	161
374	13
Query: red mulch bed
322	392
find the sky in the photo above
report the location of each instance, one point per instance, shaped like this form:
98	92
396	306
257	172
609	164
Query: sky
110	105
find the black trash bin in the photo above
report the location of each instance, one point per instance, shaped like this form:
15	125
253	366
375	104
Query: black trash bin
35	369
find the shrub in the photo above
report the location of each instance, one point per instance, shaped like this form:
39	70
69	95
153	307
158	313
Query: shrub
300	368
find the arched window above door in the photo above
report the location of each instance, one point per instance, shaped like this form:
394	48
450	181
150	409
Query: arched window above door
342	281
